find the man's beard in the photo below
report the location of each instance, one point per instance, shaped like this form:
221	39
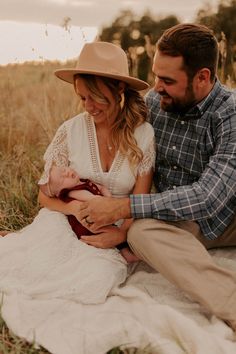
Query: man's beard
176	105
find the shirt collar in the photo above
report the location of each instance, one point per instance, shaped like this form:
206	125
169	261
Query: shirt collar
199	109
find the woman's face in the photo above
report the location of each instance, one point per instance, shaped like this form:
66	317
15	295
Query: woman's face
102	112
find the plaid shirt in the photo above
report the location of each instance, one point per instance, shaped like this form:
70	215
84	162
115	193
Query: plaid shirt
195	172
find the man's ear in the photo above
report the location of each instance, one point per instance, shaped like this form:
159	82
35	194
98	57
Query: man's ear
203	77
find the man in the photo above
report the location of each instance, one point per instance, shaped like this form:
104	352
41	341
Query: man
194	118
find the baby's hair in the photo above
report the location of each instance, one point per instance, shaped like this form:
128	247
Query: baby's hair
45	188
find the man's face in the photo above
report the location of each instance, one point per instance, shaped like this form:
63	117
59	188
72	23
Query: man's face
171	82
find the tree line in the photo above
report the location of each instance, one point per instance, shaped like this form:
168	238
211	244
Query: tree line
138	36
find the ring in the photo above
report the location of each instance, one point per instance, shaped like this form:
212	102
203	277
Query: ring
88	222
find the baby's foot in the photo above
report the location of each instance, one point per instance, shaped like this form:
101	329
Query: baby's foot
129	256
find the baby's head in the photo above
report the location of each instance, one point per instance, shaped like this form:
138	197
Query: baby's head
60	178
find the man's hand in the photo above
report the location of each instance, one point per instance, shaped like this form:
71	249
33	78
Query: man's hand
108	237
100	211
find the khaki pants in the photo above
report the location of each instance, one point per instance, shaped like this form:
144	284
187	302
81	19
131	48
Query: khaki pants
174	250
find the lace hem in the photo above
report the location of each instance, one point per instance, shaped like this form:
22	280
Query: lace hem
56	154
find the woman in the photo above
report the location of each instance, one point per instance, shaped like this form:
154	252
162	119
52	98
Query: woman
110	143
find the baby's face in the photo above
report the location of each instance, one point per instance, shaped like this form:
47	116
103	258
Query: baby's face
63	177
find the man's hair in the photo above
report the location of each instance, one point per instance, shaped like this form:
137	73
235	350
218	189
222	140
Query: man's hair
195	43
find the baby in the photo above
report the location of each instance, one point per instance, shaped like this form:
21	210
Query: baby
65	183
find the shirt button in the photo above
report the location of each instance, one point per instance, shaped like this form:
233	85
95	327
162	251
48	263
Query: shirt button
174	147
182	122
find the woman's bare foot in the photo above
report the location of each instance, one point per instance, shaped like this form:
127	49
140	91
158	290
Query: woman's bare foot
129	256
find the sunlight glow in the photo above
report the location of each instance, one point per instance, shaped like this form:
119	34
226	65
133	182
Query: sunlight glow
21	42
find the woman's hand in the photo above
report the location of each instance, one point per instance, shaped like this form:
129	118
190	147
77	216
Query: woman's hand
107	237
73	207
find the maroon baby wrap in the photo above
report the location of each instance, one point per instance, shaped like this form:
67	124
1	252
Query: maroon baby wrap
76	226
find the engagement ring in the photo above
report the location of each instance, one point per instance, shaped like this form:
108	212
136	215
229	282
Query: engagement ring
88	222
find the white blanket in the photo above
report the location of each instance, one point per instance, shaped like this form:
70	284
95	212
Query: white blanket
147	312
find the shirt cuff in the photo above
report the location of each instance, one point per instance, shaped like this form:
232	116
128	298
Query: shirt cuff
141	206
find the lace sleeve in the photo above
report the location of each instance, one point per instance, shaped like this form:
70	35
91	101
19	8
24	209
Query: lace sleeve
149	156
56	153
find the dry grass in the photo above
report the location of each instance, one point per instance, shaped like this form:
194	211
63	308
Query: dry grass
33	103
11	344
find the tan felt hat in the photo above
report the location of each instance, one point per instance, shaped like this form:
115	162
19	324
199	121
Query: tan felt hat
102	59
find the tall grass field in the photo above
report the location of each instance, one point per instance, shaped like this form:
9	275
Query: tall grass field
33	103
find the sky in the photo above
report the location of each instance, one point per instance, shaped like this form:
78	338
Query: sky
33	29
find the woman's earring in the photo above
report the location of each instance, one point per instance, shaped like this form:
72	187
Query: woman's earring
122	100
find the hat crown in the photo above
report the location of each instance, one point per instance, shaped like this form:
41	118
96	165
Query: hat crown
103	57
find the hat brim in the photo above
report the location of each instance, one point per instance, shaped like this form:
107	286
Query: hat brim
68	76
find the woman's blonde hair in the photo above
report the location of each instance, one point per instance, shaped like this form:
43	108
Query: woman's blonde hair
132	114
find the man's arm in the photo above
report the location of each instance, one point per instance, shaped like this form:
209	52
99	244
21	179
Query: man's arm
103	211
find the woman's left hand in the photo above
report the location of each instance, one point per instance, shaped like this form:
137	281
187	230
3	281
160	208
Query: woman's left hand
107	237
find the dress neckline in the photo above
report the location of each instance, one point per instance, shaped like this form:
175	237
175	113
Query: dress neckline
95	155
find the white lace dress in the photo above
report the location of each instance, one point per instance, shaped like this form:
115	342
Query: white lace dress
45	259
